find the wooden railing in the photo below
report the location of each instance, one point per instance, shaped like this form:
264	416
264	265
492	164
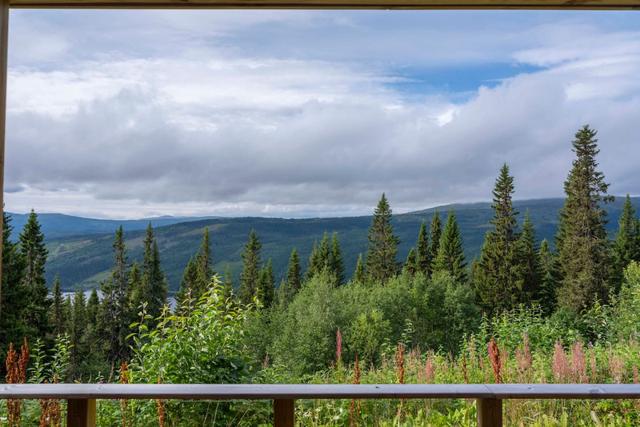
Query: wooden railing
81	398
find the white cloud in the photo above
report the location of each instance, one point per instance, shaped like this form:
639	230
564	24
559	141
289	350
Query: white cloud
221	130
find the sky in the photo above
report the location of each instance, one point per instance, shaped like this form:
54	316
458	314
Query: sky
130	114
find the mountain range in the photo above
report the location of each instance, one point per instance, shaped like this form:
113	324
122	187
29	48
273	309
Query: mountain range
80	248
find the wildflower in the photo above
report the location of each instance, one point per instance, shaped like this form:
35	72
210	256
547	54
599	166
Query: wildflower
494	357
560	364
338	346
578	363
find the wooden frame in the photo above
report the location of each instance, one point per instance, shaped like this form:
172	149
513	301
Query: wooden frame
330	4
81	409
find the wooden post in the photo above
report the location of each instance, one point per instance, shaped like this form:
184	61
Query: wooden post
489	412
81	413
4	45
283	413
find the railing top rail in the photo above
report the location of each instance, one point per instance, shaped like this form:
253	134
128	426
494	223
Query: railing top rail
318	391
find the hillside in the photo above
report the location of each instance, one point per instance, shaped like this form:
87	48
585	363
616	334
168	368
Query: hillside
85	260
56	225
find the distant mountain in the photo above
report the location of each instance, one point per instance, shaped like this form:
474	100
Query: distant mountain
56	225
84	260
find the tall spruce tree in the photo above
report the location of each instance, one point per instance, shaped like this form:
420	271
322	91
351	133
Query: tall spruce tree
185	296
115	308
422	254
529	261
435	231
57	309
250	276
14	298
153	280
204	264
359	274
583	247
294	274
266	292
626	246
450	256
77	330
548	278
34	255
336	263
411	263
383	244
498	275
320	257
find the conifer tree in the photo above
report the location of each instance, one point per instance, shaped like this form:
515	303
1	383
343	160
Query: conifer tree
336	264
228	283
137	293
583	247
76	332
93	308
14	298
34	255
187	285
267	288
204	264
626	246
320	258
114	316
359	274
383	244
529	261
498	275
435	231
57	309
411	264
548	278
422	252
450	256
294	275
153	285
250	276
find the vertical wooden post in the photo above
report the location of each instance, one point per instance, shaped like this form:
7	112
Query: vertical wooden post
4	46
283	413
489	412
81	413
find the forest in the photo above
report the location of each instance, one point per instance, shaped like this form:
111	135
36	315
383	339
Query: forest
523	310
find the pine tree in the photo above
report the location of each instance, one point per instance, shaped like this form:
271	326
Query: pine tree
14	298
450	256
498	275
228	283
548	278
435	231
411	264
294	275
626	246
336	264
383	244
137	293
204	264
359	274
77	334
115	309
320	257
93	308
422	253
57	309
529	261
266	292
34	254
250	276
185	296
583	247
153	285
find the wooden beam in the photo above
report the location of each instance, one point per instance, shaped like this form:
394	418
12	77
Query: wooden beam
489	412
81	413
329	4
4	46
283	413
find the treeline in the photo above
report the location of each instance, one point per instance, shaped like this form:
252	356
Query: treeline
432	299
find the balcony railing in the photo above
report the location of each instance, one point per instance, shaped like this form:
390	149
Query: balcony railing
81	398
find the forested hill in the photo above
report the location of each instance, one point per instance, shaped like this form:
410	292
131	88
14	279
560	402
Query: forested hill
83	260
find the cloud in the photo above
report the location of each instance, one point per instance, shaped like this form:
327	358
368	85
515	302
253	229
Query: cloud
224	129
